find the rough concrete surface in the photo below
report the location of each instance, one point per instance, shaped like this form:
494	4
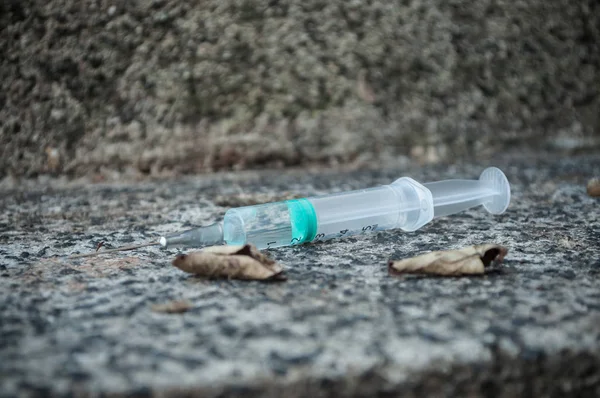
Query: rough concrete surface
148	86
340	325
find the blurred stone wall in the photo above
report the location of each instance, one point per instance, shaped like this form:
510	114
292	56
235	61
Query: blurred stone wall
195	85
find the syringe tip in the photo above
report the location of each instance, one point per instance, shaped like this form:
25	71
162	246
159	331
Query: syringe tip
196	237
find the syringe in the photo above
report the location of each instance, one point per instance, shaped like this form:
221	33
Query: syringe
404	204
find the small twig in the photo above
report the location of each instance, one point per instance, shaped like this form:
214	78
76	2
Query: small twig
118	249
99	245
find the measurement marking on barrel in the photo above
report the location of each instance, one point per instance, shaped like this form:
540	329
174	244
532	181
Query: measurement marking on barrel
370	227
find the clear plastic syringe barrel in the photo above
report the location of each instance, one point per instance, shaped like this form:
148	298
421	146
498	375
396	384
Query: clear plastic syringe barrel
404	204
270	225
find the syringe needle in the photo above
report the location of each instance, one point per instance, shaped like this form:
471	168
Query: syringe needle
118	249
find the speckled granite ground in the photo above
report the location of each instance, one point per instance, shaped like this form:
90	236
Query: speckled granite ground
339	326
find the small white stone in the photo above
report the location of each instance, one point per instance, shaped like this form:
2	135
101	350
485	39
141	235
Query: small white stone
112	10
57	114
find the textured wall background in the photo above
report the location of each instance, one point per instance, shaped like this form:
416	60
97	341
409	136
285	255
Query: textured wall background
199	84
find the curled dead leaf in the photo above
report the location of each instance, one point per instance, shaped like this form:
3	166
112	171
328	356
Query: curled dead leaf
470	260
593	187
52	159
173	307
235	262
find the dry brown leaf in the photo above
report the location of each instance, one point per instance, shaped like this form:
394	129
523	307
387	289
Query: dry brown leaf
52	159
593	187
235	262
173	307
470	260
